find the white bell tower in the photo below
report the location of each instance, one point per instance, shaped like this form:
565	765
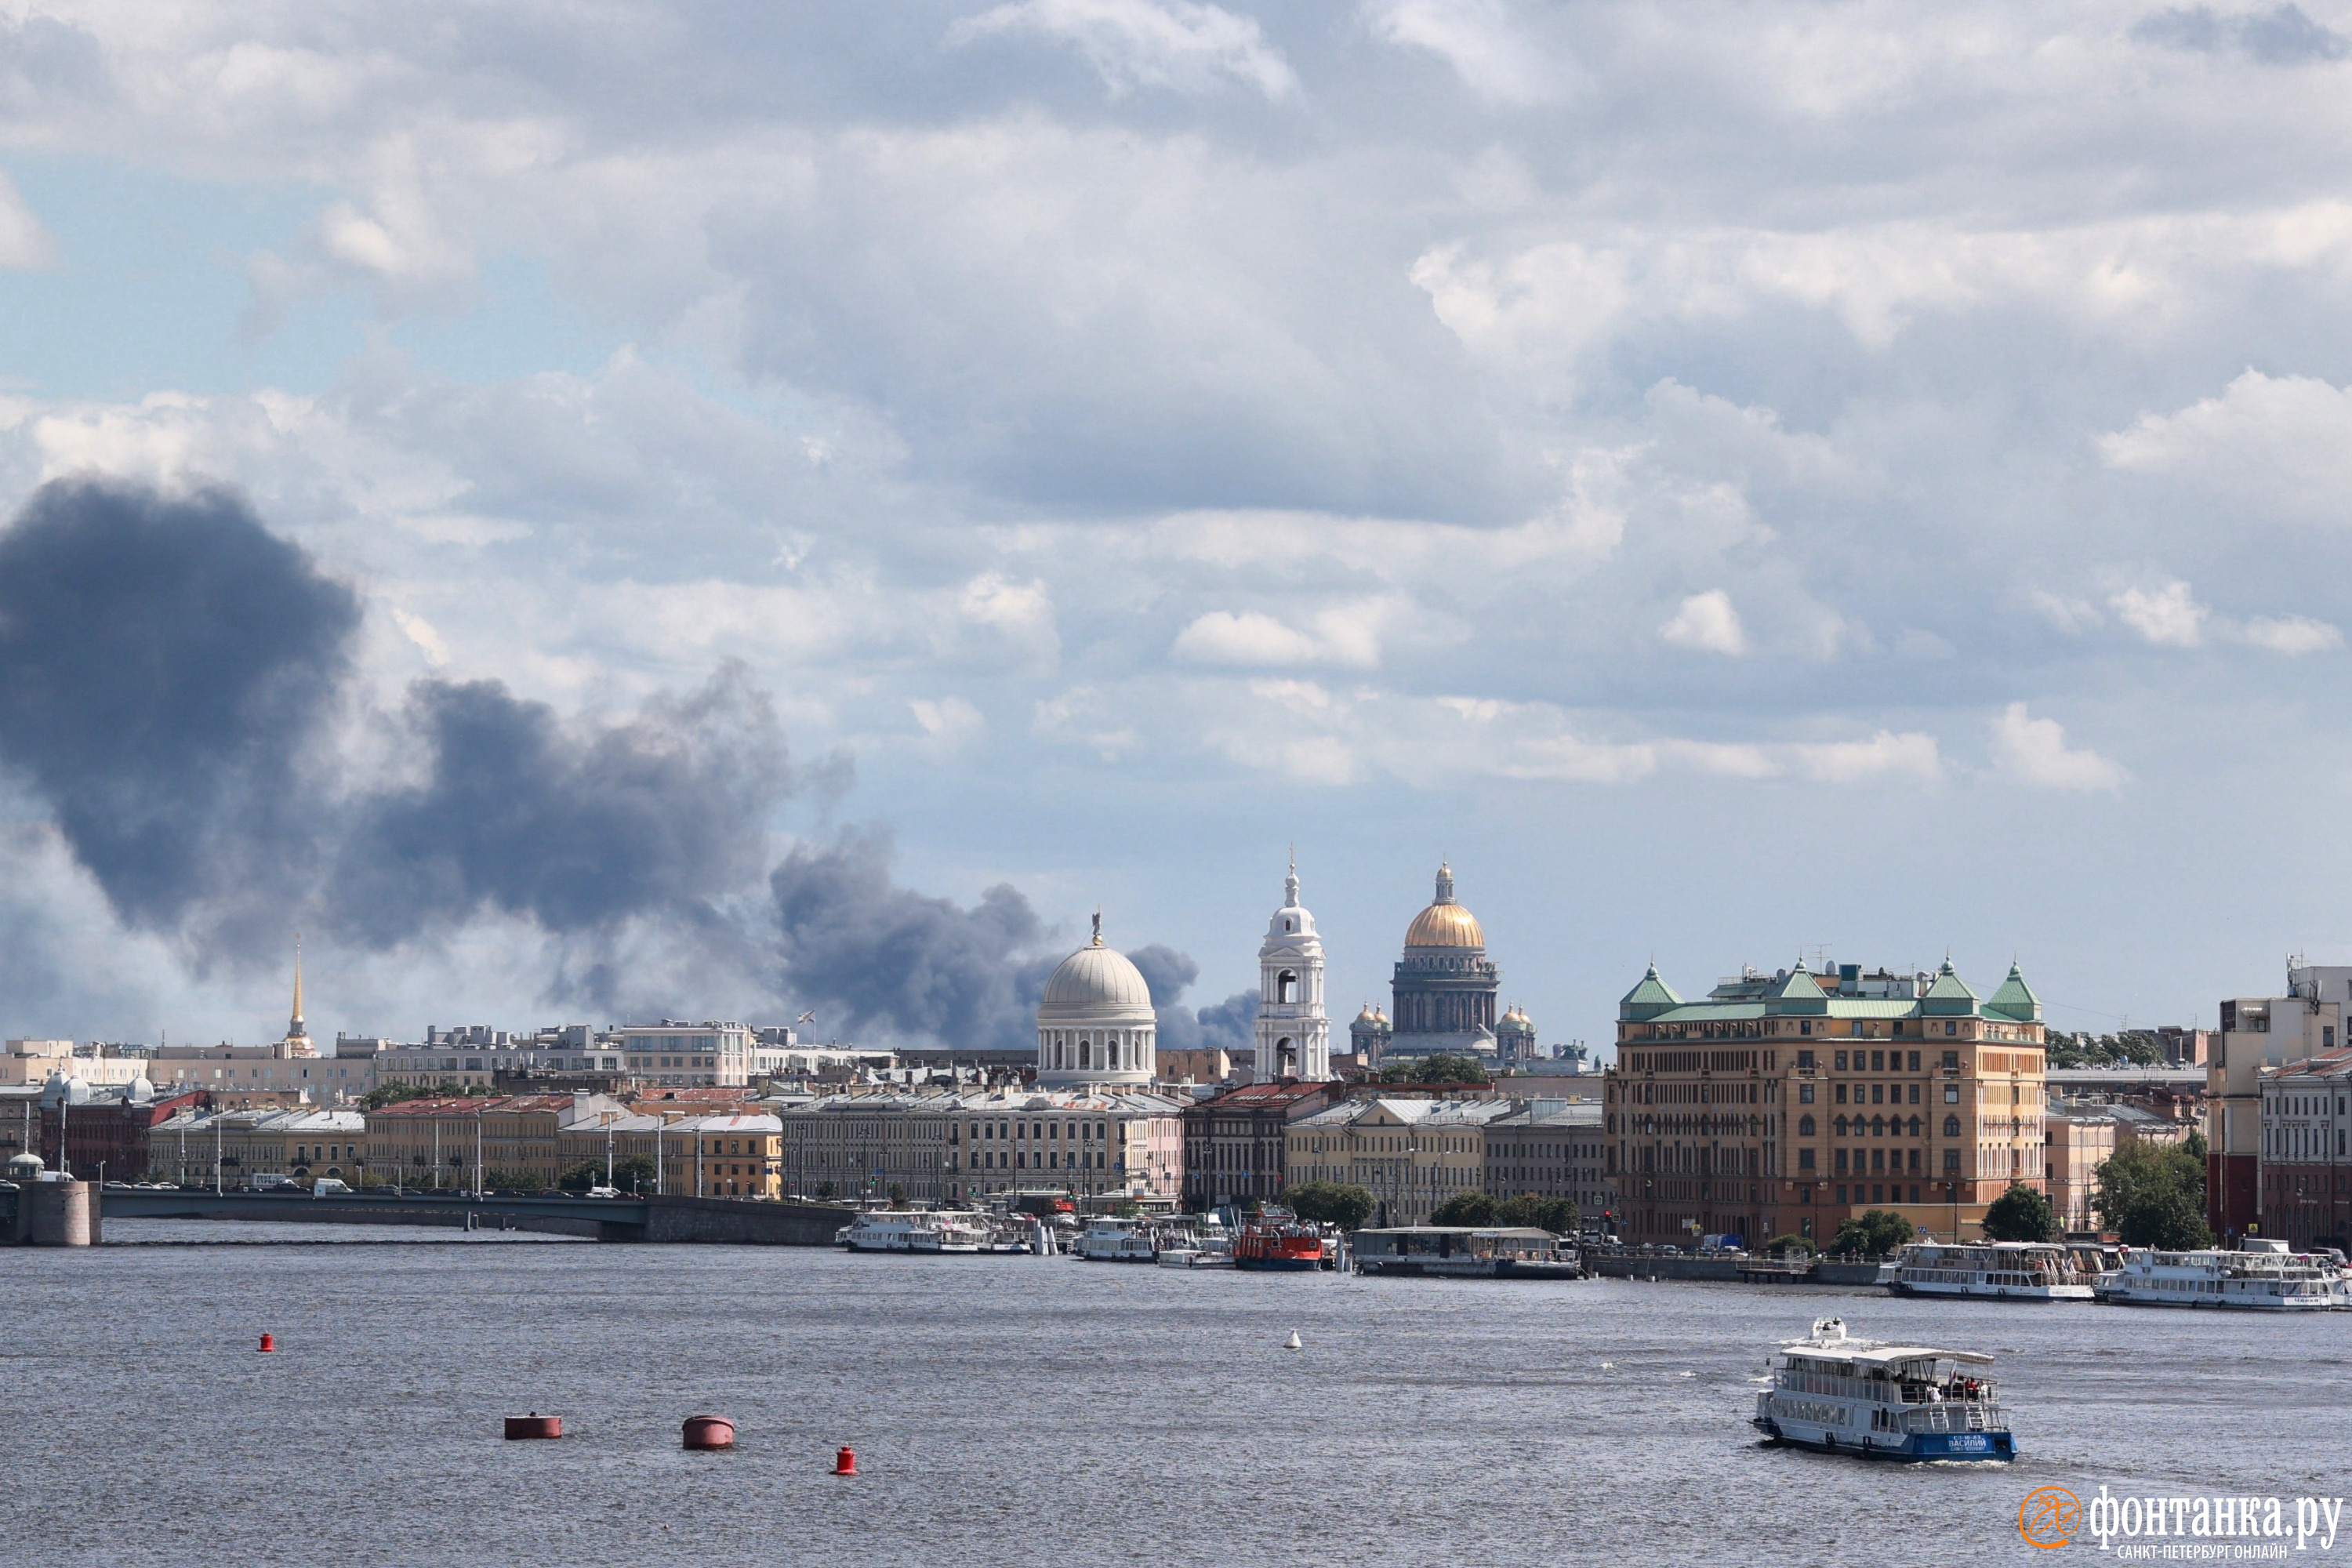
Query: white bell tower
1294	1034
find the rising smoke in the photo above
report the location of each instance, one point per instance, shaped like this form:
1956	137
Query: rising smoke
164	666
576	827
172	678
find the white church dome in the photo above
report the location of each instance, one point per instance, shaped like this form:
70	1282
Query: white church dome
1095	983
1094	1022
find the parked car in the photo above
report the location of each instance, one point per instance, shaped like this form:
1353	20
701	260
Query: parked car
327	1187
269	1181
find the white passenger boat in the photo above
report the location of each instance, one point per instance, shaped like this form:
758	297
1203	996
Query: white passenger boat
1117	1241
1208	1245
913	1230
951	1233
1854	1396
2010	1270
2262	1278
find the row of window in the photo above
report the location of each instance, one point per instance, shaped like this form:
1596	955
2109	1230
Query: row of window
1878	1127
1879	1061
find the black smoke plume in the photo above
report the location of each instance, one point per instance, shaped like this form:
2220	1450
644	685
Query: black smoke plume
171	675
164	665
574	826
1231	1024
869	955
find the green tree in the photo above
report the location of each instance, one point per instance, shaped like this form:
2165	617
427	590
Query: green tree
1874	1234
498	1180
1445	1067
1804	1243
1464	1208
1331	1203
2020	1214
824	1190
1558	1215
2153	1196
391	1092
898	1195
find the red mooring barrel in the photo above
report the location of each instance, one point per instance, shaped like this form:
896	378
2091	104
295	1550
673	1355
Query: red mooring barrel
709	1432
268	1342
533	1426
845	1462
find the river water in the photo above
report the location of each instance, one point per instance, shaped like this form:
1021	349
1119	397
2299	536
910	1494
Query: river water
1018	1410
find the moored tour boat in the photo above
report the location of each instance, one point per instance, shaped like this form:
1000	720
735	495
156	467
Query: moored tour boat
2009	1270
1844	1396
1277	1239
913	1230
1117	1241
2264	1277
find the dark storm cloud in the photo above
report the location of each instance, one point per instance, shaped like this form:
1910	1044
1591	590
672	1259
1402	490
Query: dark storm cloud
163	663
2282	36
868	954
574	826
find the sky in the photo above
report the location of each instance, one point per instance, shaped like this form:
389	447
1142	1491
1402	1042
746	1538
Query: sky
602	510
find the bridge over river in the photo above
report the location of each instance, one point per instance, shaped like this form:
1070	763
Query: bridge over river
732	1220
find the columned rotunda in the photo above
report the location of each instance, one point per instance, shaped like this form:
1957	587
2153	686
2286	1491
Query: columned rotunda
1445	984
1095	1025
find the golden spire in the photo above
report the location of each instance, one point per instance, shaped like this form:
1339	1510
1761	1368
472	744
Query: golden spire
294	1028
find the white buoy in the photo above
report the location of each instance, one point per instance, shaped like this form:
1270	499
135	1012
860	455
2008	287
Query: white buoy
1293	1343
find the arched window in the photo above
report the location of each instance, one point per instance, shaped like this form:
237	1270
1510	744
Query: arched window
1951	1127
1112	1059
1915	1127
1804	1127
1086	1052
1840	1125
1878	1127
1286	987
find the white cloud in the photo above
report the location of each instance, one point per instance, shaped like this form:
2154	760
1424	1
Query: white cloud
1886	752
1477	38
1175	44
2292	635
1348	636
2035	750
25	245
2267	445
948	724
2168	617
1708	622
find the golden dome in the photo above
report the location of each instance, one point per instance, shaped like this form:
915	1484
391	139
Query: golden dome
1444	924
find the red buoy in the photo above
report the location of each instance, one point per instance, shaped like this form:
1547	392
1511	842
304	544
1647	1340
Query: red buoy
533	1426
845	1462
269	1344
709	1432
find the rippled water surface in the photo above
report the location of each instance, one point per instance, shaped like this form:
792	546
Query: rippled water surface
1016	1410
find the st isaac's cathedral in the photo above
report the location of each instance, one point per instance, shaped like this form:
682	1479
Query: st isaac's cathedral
1445	984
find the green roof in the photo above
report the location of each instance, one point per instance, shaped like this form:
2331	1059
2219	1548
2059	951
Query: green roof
1800	992
1740	1012
1648	999
1949	996
2015	999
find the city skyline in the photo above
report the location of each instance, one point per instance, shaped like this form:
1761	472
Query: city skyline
1713	478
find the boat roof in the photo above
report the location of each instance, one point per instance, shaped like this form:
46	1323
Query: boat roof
1871	1352
1528	1230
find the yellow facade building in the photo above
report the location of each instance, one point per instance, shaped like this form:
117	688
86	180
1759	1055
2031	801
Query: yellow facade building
1409	1154
1785	1102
